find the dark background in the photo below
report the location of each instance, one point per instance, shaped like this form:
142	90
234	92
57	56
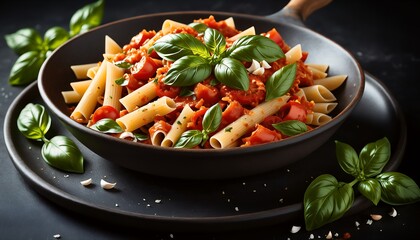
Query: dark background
380	34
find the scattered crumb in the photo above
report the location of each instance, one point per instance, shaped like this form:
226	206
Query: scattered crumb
158	201
376	217
57	236
295	229
393	212
369	222
329	235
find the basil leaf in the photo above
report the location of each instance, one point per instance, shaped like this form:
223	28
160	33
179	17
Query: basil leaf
374	156
232	73
26	68
56	36
62	153
398	188
280	82
24	40
348	159
188	71
371	189
189	139
255	47
326	200
175	46
123	64
212	118
107	125
215	41
33	121
141	137
199	27
291	127
86	18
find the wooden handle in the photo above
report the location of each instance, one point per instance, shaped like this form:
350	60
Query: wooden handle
306	7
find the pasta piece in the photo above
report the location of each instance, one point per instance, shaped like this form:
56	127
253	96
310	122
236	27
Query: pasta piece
81	70
71	97
111	47
230	22
324	107
301	94
113	91
318	93
92	72
87	104
169	25
246	32
332	82
179	126
294	54
320	67
242	125
158	136
139	97
317	118
146	114
317	74
80	86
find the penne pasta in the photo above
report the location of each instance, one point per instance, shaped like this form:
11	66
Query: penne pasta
294	54
332	82
88	102
146	114
111	47
246	32
71	97
81	70
318	93
324	107
230	22
179	126
92	72
169	26
317	118
320	67
113	91
239	127
80	86
317	74
139	97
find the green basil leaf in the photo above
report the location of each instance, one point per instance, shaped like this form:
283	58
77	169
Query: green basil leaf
348	159
123	64
86	18
199	27
374	156
122	81
107	125
232	73
291	127
33	121
62	153
175	46
398	188
189	139
215	41
212	118
280	82
24	40
371	189
55	36
141	137
26	68
188	71
326	200
255	47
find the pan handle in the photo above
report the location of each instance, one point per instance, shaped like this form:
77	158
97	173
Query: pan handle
296	11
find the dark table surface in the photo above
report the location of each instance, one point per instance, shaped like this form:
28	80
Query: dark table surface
379	34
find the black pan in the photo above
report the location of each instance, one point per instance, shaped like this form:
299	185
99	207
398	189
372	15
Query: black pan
55	76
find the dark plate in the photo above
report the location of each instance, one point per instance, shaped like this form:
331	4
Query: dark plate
152	202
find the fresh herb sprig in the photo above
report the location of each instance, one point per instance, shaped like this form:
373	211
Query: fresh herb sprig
194	61
33	50
211	122
60	151
327	200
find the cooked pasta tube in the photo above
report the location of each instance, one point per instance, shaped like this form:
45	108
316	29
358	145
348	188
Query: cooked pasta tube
179	126
246	32
92	72
294	54
111	47
139	97
324	107
332	82
317	118
320	67
230	22
80	86
317	74
318	93
146	113
242	125
87	104
113	91
169	25
71	96
81	70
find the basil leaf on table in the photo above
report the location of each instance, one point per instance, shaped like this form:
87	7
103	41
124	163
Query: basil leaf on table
87	18
26	68
59	152
374	156
398	188
348	159
24	40
62	153
371	189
